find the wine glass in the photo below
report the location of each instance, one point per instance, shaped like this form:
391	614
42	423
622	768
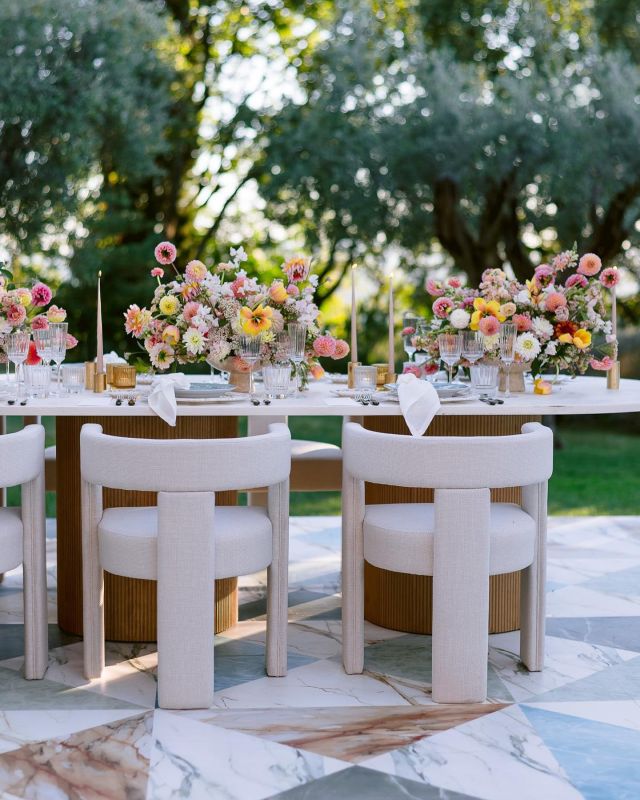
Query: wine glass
42	339
250	352
450	346
507	345
58	346
17	351
472	346
409	323
297	343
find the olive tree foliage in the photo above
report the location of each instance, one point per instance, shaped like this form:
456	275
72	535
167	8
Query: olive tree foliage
499	151
81	84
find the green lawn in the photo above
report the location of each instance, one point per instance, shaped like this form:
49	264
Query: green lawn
596	469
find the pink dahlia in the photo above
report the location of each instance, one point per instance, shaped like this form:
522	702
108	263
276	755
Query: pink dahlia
342	349
157	272
39	323
41	295
324	346
605	364
434	288
610	277
442	307
489	326
454	283
190	310
195	271
165	253
16	314
71	341
576	280
544	274
554	301
589	264
522	322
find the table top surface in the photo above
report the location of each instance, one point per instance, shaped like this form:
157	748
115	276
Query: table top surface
583	395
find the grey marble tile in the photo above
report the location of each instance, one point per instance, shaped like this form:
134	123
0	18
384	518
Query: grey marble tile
618	632
359	783
256	608
12	639
619	682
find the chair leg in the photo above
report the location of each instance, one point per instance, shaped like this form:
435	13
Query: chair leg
460	595
36	646
352	576
186	578
92	583
532	583
278	581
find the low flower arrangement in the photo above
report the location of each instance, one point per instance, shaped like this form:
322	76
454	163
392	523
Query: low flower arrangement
199	313
25	309
557	315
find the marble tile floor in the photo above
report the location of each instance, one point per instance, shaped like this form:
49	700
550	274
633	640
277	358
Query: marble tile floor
570	732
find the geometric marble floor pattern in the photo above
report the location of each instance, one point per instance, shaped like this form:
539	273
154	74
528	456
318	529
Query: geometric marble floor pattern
571	731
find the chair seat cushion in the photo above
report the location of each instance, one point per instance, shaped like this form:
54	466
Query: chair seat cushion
128	541
304	450
399	537
10	538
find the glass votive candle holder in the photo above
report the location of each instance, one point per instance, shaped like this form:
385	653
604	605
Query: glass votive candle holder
484	380
276	379
365	378
73	378
37	379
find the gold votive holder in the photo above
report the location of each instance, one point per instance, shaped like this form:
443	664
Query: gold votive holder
109	368
123	376
390	377
613	376
100	382
351	375
381	376
89	374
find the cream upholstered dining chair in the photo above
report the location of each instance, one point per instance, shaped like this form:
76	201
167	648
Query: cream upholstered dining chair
461	539
185	543
22	537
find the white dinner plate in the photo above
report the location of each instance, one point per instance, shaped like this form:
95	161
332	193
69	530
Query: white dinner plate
464	399
235	398
201	390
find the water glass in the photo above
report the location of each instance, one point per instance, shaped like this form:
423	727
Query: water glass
73	378
276	379
450	346
297	344
37	379
507	344
472	346
17	350
58	345
484	380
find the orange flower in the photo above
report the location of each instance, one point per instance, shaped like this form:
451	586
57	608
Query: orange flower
485	309
580	339
255	320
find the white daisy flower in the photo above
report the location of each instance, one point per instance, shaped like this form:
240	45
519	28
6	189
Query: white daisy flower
527	346
193	340
542	327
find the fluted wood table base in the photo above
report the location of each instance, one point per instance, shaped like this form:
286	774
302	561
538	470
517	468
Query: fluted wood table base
404	602
130	604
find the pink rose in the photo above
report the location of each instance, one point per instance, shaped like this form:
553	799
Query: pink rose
522	322
16	314
576	280
554	301
324	346
589	264
342	349
489	326
610	277
165	253
41	295
454	283
157	272
605	364
39	323
408	331
434	288
442	307
71	341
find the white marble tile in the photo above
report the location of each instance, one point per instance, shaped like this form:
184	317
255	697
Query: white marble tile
191	759
323	683
496	757
565	661
578	570
625	713
20	727
578	601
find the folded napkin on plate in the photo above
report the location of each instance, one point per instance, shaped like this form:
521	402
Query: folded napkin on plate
419	403
163	396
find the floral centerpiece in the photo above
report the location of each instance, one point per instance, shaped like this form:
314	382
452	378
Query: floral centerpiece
25	309
199	314
557	313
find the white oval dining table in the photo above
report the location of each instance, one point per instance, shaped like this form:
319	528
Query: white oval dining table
393	600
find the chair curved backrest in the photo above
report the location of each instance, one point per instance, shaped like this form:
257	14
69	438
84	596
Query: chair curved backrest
185	465
21	455
449	462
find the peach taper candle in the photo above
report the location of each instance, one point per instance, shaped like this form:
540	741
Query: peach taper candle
354	316
100	343
392	347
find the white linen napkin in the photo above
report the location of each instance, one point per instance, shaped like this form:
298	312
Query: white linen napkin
419	403
162	398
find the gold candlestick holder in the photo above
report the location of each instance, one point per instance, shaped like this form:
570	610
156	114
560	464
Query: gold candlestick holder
100	382
89	374
351	374
613	376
